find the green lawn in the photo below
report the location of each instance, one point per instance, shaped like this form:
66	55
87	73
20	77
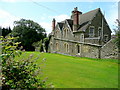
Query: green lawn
75	72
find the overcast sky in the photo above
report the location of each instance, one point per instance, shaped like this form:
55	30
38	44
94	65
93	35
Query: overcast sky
43	11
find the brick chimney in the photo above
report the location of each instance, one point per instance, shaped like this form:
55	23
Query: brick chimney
75	17
53	24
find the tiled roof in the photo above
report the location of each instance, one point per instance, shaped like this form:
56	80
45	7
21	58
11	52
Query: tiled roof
86	17
83	20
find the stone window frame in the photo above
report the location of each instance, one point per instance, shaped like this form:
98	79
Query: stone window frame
93	31
99	34
66	30
66	46
57	46
78	52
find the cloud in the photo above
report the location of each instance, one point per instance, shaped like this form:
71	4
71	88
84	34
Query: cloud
61	17
7	19
47	26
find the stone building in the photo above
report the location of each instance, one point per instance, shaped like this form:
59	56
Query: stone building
82	35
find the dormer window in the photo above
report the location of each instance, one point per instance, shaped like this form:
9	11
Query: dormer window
65	32
91	31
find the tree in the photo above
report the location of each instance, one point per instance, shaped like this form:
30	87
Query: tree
42	45
5	31
38	46
46	43
117	40
28	32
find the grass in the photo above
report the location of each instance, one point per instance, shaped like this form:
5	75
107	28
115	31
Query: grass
75	72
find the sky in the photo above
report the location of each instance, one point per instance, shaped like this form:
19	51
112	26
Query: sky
43	12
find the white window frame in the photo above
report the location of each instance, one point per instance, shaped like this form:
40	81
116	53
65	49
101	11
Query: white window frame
93	31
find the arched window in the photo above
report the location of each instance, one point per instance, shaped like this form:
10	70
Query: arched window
57	46
66	46
78	48
65	32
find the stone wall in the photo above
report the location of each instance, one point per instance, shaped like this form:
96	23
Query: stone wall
109	50
90	51
92	40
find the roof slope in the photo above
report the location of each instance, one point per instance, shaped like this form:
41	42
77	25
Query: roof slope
83	20
86	17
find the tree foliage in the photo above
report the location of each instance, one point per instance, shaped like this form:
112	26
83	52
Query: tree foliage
46	43
5	31
28	32
38	46
42	45
18	73
117	33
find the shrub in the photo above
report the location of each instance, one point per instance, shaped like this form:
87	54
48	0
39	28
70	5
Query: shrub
18	73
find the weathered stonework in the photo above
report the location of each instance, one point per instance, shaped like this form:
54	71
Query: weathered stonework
84	35
109	50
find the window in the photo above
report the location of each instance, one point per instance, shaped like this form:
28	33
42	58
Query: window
82	38
57	48
105	38
78	49
91	32
65	32
99	31
66	46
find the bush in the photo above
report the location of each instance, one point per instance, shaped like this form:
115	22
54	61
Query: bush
18	73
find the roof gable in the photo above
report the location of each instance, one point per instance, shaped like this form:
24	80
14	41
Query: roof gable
86	18
70	23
